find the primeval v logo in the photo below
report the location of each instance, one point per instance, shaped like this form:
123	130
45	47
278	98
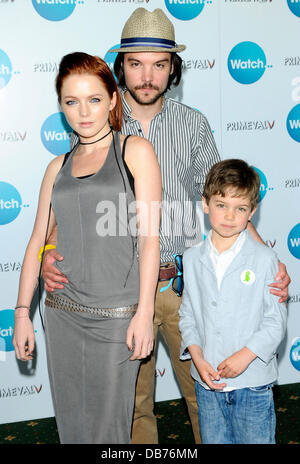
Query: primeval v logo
270	244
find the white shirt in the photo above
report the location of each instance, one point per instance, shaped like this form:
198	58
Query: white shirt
221	261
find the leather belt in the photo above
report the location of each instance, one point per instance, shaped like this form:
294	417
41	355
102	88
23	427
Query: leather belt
167	271
65	304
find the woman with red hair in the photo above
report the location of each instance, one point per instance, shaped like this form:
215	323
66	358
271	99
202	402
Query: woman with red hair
100	324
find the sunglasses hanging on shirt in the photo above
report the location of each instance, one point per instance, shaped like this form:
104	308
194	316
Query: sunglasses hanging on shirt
176	283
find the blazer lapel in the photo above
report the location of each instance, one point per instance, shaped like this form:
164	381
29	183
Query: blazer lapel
244	258
204	257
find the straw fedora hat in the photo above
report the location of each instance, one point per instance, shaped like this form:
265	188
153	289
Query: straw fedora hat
148	32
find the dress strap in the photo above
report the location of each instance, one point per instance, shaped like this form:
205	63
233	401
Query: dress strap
129	175
65	159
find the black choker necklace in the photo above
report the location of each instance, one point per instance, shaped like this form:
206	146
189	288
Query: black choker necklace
101	138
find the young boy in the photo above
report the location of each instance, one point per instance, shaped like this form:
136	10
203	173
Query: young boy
230	324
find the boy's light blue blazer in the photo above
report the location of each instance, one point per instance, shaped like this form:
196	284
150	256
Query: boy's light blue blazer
242	313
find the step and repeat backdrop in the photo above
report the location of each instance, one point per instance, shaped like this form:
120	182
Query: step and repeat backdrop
241	68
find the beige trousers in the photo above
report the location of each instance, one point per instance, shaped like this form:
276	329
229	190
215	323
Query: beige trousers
166	320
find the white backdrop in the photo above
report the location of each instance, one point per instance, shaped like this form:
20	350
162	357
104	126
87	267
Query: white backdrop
241	69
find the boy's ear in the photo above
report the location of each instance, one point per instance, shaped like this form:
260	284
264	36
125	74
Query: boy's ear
204	205
252	212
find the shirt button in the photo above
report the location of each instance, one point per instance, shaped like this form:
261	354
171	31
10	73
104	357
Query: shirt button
214	303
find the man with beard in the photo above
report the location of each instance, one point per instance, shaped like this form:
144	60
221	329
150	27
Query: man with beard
146	66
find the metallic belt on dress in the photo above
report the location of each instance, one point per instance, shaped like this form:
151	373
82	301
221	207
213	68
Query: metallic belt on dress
58	302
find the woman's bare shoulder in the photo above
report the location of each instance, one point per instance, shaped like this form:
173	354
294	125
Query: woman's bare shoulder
136	144
54	167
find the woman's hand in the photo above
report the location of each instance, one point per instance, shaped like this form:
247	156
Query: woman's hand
140	335
23	337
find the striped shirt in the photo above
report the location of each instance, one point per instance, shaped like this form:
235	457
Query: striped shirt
186	150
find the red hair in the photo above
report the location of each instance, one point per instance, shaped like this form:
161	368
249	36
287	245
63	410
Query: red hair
82	63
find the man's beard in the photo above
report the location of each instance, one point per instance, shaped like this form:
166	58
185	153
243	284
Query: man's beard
153	100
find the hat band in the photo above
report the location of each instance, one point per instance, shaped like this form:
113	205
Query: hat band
147	42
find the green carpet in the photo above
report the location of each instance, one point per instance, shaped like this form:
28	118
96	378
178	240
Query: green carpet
173	422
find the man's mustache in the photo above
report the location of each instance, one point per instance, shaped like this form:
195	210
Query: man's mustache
146	86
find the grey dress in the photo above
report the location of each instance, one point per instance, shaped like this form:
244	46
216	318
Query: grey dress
91	377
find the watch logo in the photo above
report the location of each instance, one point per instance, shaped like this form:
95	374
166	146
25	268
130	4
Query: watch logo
185	9
56	133
55	10
247	62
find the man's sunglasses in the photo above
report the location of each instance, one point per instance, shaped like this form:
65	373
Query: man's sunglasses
177	281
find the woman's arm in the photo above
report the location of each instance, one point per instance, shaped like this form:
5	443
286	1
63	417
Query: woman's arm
142	162
23	338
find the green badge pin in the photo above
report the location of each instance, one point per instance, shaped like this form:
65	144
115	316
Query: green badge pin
247	277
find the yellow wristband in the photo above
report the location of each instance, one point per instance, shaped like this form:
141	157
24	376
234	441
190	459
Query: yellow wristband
47	247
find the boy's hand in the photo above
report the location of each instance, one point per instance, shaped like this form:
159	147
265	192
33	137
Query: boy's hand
236	363
209	375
